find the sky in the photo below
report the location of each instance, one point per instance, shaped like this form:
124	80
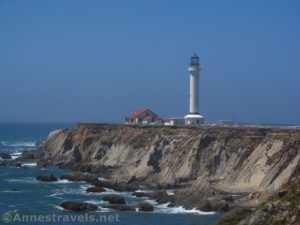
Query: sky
97	61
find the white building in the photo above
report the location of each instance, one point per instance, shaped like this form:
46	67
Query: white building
143	116
175	121
194	69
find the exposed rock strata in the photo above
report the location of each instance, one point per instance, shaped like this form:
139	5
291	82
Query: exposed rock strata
283	207
204	163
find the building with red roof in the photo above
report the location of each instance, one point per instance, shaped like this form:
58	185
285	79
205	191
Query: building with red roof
143	116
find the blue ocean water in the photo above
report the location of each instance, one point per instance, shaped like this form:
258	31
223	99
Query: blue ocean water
24	200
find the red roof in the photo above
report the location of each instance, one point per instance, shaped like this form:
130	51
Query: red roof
137	113
148	118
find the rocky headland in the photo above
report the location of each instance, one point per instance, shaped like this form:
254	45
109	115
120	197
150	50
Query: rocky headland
208	168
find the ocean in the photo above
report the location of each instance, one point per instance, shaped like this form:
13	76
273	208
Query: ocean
24	200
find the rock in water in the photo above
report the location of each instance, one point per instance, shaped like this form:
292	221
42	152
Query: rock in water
145	207
29	155
114	199
78	206
161	197
15	163
15	189
47	178
5	155
120	207
78	176
117	186
95	189
140	194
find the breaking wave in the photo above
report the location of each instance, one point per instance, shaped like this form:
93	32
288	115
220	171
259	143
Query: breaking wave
163	208
29	164
63	181
28	180
16	155
18	144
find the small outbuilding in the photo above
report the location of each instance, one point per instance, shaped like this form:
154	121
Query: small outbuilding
175	121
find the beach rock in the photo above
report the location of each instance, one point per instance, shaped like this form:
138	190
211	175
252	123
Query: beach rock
78	206
95	189
114	199
145	207
120	207
47	178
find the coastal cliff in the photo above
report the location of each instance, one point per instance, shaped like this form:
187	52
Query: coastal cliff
195	160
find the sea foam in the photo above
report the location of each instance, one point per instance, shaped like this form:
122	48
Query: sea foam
18	144
28	164
64	181
16	155
163	208
28	180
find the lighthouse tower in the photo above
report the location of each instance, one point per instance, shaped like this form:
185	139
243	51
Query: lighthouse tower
194	117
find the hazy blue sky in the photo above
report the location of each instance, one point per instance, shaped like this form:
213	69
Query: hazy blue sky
100	60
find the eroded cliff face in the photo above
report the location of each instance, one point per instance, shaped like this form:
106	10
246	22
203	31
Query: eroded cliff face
204	158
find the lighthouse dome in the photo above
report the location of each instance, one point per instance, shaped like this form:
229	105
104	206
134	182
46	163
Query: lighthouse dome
194	60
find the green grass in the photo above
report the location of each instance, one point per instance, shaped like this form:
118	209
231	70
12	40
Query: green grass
234	217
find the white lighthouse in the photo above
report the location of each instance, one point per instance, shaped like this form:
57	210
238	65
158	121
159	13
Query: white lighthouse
194	117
